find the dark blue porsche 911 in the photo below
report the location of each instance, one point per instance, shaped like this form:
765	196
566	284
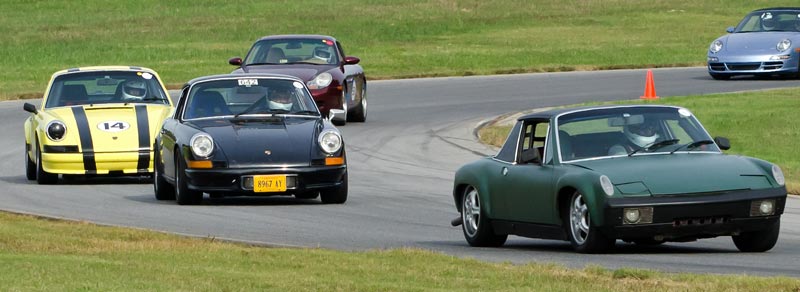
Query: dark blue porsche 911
249	134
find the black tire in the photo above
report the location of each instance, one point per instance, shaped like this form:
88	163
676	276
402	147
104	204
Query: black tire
184	195
30	165
359	113
720	76
584	236
336	195
162	188
758	241
43	177
306	195
477	228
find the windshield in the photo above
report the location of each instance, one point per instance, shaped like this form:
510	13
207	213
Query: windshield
248	96
625	131
100	87
770	20
293	51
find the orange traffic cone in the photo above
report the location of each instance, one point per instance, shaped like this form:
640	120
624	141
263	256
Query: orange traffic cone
649	87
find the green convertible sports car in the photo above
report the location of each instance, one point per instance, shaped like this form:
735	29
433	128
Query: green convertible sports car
644	174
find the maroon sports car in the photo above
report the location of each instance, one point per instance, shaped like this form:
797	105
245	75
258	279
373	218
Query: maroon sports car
336	81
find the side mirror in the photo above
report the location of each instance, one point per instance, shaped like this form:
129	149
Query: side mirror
236	61
723	143
351	60
729	29
30	108
530	156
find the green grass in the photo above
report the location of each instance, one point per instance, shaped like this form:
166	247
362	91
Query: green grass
760	124
51	255
394	38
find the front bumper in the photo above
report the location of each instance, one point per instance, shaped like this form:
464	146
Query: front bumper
680	218
733	64
105	163
299	179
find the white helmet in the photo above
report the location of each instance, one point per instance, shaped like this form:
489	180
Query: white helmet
767	21
280	99
642	134
323	53
134	90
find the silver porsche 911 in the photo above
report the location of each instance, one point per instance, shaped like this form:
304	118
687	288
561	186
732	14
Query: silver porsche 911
766	42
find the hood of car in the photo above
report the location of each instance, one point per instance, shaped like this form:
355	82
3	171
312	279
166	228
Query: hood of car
112	127
302	71
680	173
757	42
264	141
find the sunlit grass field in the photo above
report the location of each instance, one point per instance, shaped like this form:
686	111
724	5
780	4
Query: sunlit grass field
49	255
394	38
760	124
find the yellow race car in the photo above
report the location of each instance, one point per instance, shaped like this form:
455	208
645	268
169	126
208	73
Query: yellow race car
95	121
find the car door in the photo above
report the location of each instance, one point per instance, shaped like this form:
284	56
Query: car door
530	183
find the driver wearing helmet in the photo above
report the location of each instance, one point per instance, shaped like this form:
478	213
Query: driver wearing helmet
637	136
767	22
134	90
322	55
280	99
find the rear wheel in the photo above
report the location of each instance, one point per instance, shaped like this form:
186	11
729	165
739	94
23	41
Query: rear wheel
476	226
43	177
184	195
336	195
758	241
585	237
162	188
30	165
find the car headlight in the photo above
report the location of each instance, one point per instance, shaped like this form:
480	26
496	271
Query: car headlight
716	46
784	45
56	130
778	175
608	187
330	141
321	81
202	145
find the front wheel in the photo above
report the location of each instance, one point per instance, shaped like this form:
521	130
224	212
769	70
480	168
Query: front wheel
758	241
30	166
359	113
585	237
336	195
343	120
184	195
476	226
43	177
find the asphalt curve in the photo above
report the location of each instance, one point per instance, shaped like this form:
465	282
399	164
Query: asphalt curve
401	164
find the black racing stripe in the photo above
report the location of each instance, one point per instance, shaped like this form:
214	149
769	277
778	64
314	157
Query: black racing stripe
85	133
143	125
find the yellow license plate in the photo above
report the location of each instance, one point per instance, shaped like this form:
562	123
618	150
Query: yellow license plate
269	183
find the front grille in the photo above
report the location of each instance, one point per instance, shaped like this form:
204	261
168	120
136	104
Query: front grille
717	66
699	221
743	66
773	65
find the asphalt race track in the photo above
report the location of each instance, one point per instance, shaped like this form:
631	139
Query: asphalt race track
401	163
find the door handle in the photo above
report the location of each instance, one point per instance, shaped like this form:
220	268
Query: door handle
504	171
